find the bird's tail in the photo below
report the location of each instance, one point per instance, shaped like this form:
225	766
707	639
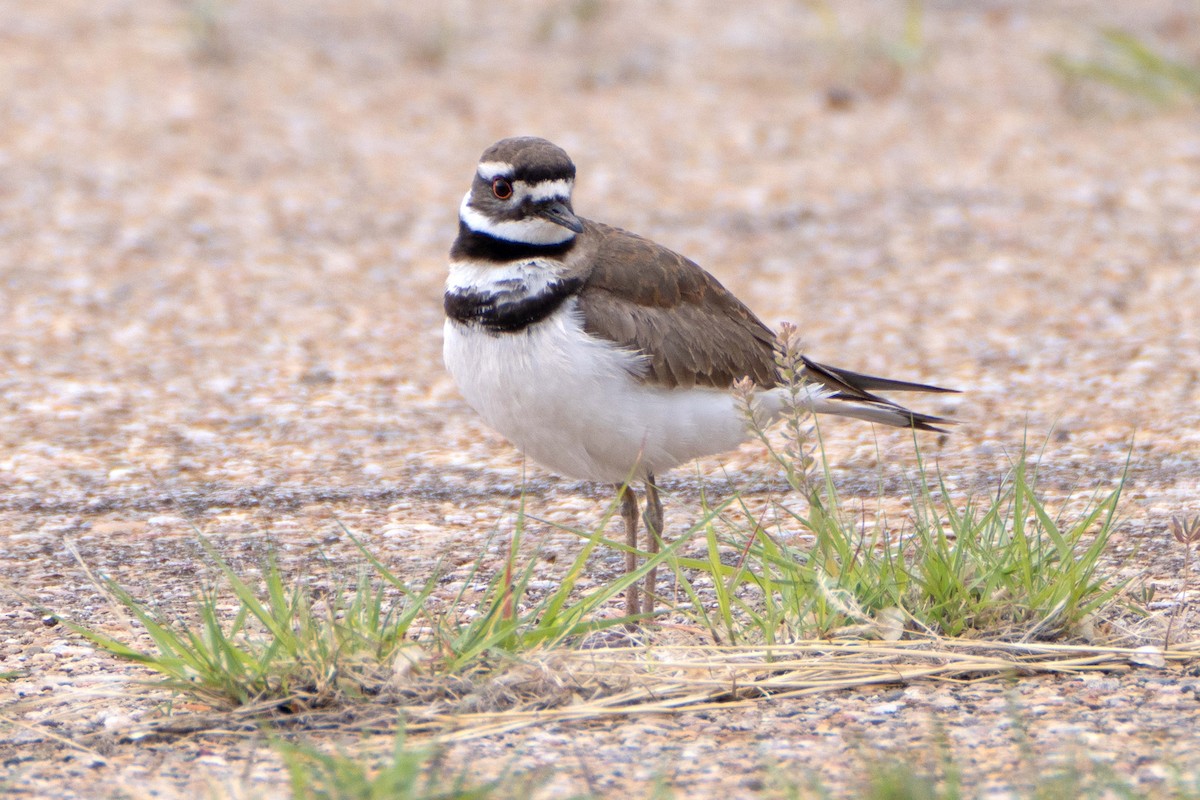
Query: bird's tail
851	394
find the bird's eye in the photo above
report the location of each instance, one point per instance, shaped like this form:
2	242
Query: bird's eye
502	189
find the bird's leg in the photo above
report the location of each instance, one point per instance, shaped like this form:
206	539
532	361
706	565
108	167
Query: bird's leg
629	513
654	530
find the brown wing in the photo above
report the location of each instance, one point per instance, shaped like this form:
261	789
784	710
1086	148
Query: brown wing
691	329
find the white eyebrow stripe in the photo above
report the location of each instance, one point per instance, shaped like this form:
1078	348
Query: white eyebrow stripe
548	190
489	170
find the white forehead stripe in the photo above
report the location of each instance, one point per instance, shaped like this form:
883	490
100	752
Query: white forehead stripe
531	230
489	170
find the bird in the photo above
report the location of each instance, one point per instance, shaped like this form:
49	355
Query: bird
605	356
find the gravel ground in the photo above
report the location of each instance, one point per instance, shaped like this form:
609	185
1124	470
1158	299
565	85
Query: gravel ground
222	239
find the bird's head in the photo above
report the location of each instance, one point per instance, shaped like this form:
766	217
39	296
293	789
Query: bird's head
522	193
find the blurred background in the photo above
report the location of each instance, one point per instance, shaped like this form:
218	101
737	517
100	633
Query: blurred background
223	225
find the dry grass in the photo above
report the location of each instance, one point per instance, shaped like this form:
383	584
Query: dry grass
613	683
676	679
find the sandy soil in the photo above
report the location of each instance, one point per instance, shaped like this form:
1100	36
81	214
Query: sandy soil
223	230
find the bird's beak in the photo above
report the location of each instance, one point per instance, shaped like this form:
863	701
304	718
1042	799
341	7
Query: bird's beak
558	212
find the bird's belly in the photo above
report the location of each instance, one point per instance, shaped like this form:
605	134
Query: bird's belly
573	403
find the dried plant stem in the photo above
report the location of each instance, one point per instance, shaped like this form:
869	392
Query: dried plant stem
1186	531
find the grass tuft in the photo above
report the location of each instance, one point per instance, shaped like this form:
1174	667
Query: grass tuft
1133	67
275	642
935	771
1005	567
409	772
280	644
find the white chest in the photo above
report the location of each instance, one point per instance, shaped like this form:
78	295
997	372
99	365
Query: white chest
574	404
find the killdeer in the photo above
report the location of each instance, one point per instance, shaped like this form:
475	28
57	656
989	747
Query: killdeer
605	356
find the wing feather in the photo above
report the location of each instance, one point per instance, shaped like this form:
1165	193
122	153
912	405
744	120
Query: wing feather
691	329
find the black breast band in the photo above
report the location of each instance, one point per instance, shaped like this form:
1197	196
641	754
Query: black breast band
500	313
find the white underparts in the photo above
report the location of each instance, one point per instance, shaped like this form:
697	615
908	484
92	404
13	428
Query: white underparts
573	402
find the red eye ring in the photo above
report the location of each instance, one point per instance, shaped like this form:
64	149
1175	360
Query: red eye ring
502	189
